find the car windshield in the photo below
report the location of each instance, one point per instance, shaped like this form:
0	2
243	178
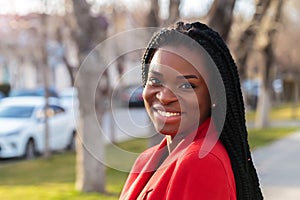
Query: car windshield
16	111
18	93
32	92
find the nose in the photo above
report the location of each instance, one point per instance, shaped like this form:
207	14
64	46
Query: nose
166	96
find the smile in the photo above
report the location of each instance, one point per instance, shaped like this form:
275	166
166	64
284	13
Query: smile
168	114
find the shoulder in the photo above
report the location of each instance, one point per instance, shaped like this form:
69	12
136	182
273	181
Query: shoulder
211	171
215	159
208	177
146	153
216	151
144	157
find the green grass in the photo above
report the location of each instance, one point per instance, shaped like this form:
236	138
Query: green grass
261	137
282	112
51	179
54	178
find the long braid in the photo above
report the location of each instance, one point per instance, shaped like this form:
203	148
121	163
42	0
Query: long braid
234	133
249	165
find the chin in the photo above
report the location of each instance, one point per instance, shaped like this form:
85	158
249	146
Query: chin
167	131
171	132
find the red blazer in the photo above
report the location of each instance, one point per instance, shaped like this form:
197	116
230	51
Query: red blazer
188	173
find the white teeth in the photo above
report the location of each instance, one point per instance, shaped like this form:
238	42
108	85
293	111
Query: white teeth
168	114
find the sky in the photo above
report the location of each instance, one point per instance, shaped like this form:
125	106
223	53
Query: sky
23	7
188	7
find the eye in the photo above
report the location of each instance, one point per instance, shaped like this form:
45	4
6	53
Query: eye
187	85
154	81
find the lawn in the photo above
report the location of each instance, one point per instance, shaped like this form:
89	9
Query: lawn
53	179
50	179
260	137
281	112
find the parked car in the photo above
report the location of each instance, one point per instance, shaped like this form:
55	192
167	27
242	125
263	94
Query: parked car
32	92
132	96
22	126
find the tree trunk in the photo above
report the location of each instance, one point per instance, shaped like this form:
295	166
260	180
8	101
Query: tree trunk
90	147
59	38
269	60
90	31
174	12
69	69
263	109
153	19
246	41
296	100
220	17
44	63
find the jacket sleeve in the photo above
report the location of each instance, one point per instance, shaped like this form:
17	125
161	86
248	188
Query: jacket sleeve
137	178
196	178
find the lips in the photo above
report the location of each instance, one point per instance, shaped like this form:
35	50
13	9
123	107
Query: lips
168	114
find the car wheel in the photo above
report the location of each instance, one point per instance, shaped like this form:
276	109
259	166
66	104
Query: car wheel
30	151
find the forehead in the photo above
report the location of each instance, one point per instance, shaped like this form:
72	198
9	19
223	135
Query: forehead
179	58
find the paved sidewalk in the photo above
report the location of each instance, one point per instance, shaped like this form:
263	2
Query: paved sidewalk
278	166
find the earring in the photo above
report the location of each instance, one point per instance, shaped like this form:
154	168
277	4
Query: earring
213	105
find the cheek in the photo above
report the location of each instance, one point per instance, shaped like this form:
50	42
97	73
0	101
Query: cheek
148	95
204	103
198	103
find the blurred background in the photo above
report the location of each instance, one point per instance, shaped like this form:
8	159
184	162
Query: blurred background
43	48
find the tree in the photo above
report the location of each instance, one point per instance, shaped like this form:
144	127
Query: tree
44	63
153	19
174	12
267	50
90	30
221	17
248	36
287	55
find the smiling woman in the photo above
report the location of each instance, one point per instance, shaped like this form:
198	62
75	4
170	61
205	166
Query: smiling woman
174	94
192	94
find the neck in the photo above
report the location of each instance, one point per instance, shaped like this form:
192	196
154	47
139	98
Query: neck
169	142
172	141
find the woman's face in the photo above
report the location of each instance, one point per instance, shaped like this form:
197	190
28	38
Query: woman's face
176	96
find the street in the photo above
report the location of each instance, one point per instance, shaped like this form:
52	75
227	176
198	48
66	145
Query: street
278	167
127	123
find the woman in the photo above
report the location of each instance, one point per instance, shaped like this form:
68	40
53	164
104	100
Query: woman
192	95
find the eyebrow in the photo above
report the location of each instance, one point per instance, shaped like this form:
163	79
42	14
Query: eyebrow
178	77
187	77
156	73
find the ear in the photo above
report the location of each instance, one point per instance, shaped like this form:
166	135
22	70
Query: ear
213	98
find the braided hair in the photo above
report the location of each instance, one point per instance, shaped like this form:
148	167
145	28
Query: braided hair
234	132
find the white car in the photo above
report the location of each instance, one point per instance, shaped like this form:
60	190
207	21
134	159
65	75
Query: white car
22	126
